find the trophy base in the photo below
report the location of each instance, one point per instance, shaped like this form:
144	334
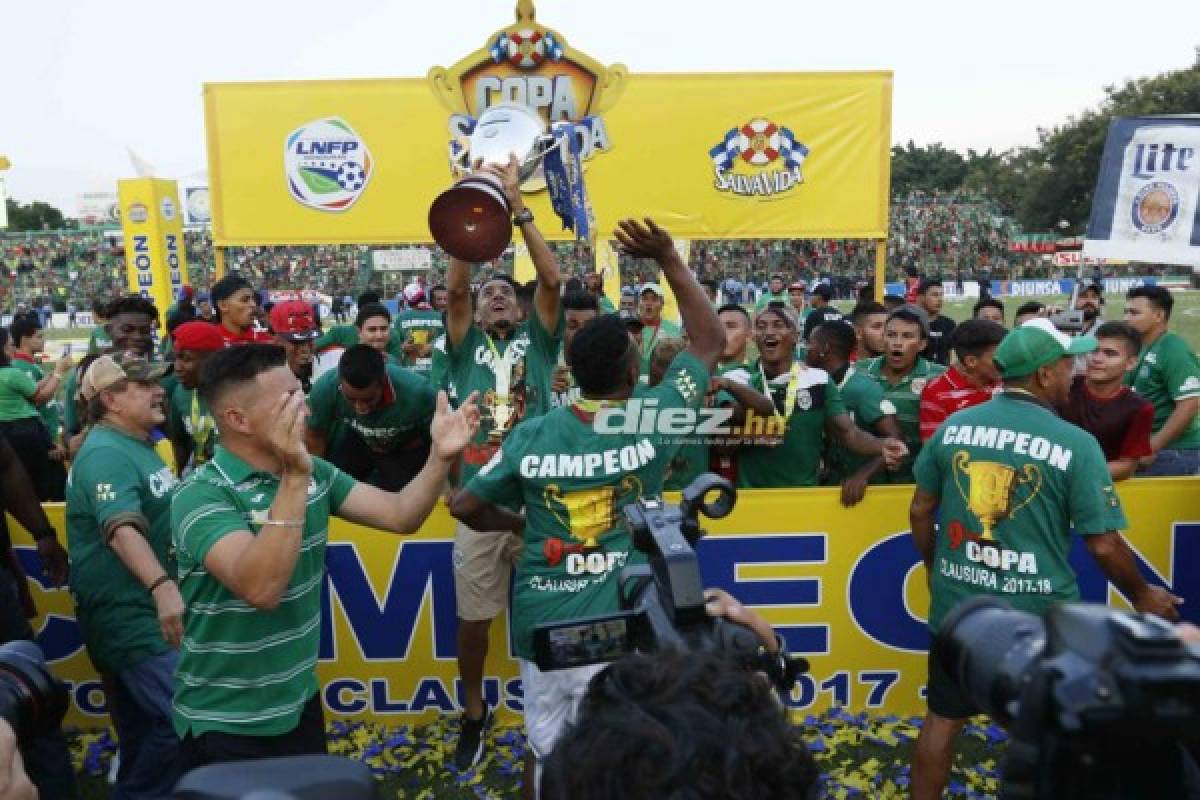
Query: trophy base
472	221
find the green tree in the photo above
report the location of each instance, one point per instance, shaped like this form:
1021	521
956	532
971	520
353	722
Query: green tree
927	169
36	216
1060	173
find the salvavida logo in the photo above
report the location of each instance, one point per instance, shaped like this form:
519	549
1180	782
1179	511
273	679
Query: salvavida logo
328	165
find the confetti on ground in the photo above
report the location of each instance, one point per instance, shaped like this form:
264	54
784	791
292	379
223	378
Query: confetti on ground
860	756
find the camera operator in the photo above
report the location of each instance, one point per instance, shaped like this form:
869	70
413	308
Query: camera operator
574	479
677	723
1013	465
250	529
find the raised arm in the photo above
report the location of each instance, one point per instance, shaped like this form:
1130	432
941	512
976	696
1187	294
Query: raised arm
706	337
459	313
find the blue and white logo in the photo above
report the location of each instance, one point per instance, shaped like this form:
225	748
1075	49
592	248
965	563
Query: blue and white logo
327	164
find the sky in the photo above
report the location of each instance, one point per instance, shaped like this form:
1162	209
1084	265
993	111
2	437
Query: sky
84	82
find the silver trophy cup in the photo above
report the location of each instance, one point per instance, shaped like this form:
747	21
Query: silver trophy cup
472	221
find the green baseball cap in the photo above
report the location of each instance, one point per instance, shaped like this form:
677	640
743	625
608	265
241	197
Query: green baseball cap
1036	344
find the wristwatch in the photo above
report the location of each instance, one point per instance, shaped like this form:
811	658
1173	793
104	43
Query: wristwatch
522	216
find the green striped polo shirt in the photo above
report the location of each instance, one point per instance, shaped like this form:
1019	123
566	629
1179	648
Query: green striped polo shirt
241	670
905	396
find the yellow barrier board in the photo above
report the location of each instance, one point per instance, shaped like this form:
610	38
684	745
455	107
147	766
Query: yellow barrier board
155	256
843	585
731	155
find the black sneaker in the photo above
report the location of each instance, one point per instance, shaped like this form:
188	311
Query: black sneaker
471	739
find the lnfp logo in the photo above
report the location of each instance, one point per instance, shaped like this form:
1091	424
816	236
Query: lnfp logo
327	165
1155	207
758	159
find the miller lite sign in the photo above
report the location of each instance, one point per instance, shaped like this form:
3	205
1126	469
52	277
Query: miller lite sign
1147	201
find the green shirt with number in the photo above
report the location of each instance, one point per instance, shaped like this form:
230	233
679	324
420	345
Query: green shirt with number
905	397
1016	465
117	479
1168	372
399	423
243	670
470	368
574	470
796	459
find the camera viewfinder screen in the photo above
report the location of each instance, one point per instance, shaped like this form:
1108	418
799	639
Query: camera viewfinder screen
589	642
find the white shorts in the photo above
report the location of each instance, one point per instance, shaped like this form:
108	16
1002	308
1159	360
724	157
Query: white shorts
551	702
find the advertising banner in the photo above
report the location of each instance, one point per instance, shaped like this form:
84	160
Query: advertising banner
711	155
3	204
99	208
155	256
1147	201
844	586
197	211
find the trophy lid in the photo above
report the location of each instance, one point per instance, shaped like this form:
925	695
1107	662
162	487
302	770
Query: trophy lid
471	220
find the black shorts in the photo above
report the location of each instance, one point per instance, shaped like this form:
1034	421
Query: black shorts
943	695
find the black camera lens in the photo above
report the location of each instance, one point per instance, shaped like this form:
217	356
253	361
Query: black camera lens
987	647
32	700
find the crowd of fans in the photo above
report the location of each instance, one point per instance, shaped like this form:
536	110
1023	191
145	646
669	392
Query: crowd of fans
961	235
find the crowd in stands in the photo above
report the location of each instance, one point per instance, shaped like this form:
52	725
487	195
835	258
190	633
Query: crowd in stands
960	235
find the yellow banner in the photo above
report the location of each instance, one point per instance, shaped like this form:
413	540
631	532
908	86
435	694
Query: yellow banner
843	586
659	162
155	256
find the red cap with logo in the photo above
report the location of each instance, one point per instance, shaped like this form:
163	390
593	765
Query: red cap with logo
293	319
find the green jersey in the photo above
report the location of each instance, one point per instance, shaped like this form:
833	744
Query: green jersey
345	336
187	415
17	389
1168	372
439	366
421	326
526	360
400	422
574	469
51	410
651	336
117	479
606	305
864	399
98	341
805	398
1012	478
241	670
905	397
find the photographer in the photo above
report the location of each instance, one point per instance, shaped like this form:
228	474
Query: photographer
573	480
1012	478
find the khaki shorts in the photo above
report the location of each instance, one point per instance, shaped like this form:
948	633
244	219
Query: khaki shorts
483	564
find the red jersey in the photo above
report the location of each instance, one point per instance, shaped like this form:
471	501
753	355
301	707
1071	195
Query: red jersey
949	392
1121	423
251	335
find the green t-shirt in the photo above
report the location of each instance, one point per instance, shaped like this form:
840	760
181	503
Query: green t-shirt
17	389
573	481
439	365
51	410
470	368
1168	372
241	670
423	326
98	341
905	397
796	460
345	336
606	305
402	422
187	414
651	336
863	398
1035	476
117	479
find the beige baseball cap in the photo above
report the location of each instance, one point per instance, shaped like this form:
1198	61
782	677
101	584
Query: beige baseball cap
107	371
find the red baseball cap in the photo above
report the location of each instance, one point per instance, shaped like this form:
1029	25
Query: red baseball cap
197	335
293	319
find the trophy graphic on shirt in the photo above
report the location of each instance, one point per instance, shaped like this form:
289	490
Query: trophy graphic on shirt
506	402
991	488
590	513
